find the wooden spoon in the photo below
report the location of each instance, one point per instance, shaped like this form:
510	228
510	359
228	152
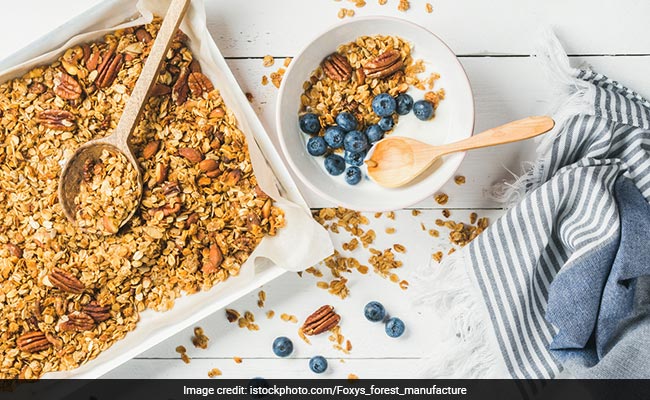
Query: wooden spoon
72	172
395	161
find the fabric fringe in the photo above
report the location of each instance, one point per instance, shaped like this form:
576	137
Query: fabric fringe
574	96
467	352
447	289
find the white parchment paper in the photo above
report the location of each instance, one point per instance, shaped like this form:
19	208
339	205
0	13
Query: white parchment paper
300	244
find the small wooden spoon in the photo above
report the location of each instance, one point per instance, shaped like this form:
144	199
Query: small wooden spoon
72	172
395	161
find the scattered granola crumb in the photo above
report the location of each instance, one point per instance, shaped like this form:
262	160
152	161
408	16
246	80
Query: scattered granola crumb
248	321
265	80
441	198
472	218
200	340
424	228
434	232
359	3
289	318
287	61
446	213
270	314
399	248
352	377
261	298
377	214
404	284
302	336
232	315
390	230
237	360
415	213
403	5
460	180
342	13
437	256
323	285
249	97
268	61
350	13
351	245
214	372
383	262
451	251
394	278
390	215
276	77
429	8
183	352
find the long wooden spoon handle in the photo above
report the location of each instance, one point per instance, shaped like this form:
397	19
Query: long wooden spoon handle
135	103
511	132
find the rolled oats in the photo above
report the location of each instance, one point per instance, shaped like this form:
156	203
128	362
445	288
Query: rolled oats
159	255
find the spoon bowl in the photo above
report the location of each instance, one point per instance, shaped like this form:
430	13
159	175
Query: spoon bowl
72	172
396	161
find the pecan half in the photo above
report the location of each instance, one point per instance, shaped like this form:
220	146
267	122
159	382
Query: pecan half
384	65
33	342
150	149
65	281
97	312
58	120
337	67
160	89
78	322
215	257
191	154
109	68
199	84
143	36
321	320
180	89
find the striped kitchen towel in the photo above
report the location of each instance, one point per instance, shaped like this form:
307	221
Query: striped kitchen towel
562	275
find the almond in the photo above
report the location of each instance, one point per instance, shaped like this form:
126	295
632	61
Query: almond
208	165
191	154
150	149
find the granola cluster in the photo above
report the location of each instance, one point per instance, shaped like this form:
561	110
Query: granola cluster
108	193
66	295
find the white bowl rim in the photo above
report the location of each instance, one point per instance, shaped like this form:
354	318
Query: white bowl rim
323	194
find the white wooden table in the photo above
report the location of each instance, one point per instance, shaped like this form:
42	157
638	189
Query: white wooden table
494	41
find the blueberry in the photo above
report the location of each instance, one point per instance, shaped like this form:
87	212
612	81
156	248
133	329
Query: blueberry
334	137
318	364
282	346
353	175
423	110
384	105
386	123
316	146
309	123
374	311
346	121
374	133
355	142
394	327
258	383
334	164
355	159
404	103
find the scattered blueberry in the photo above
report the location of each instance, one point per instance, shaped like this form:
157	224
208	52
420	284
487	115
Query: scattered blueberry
394	327
404	103
346	121
374	133
309	123
334	137
374	311
316	146
386	123
282	346
318	364
334	164
355	142
355	159
423	110
353	175
384	105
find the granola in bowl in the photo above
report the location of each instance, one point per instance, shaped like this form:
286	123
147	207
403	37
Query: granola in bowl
66	295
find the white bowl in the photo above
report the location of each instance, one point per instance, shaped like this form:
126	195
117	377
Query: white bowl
454	118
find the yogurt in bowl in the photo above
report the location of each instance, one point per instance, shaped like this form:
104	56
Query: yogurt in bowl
453	121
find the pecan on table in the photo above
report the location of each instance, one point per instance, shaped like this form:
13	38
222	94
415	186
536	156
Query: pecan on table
321	320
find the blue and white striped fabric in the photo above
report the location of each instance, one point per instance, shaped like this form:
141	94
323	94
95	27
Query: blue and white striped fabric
548	249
